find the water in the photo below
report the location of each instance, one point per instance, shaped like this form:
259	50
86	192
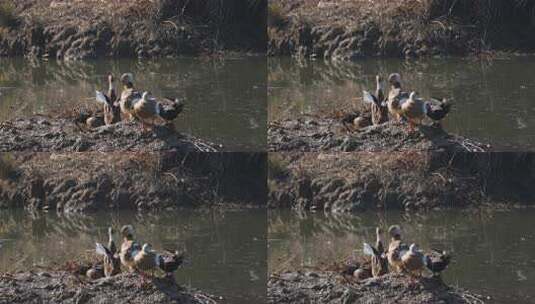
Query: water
226	250
226	99
492	251
493	99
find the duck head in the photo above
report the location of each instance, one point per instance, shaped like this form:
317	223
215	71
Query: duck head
147	248
127	79
395	80
127	231
395	232
145	95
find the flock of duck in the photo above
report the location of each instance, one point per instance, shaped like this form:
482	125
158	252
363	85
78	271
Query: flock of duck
134	105
398	105
133	256
398	258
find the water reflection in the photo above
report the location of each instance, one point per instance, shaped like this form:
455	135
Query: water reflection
492	251
226	99
227	250
493	100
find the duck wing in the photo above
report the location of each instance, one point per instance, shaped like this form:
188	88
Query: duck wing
369	250
102	98
103	250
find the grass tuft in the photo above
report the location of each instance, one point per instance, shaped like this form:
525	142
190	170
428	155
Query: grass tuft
8	16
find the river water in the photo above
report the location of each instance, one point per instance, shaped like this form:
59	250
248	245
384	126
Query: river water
226	250
492	251
493	99
225	99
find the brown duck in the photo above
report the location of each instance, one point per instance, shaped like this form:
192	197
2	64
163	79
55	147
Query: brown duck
379	109
379	263
110	107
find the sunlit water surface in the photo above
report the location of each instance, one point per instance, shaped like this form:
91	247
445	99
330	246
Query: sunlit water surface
225	99
492	251
494	100
226	250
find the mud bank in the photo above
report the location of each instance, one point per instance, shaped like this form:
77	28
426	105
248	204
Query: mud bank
329	287
314	133
85	182
353	182
44	134
90	29
64	287
349	30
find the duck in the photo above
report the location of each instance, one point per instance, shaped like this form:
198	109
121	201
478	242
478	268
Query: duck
437	261
129	247
355	120
396	96
413	261
437	110
414	110
146	259
148	110
379	109
396	248
94	273
110	108
111	262
379	243
129	97
379	263
111	241
169	261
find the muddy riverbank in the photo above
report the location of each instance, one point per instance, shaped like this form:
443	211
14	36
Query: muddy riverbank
65	287
90	29
323	133
92	181
329	287
353	182
49	134
349	30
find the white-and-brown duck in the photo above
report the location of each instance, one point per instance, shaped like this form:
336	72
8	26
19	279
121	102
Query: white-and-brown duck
414	110
413	261
150	111
129	97
396	96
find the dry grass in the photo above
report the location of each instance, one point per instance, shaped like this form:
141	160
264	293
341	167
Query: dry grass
8	166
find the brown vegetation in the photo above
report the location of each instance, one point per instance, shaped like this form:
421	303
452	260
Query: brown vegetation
399	28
